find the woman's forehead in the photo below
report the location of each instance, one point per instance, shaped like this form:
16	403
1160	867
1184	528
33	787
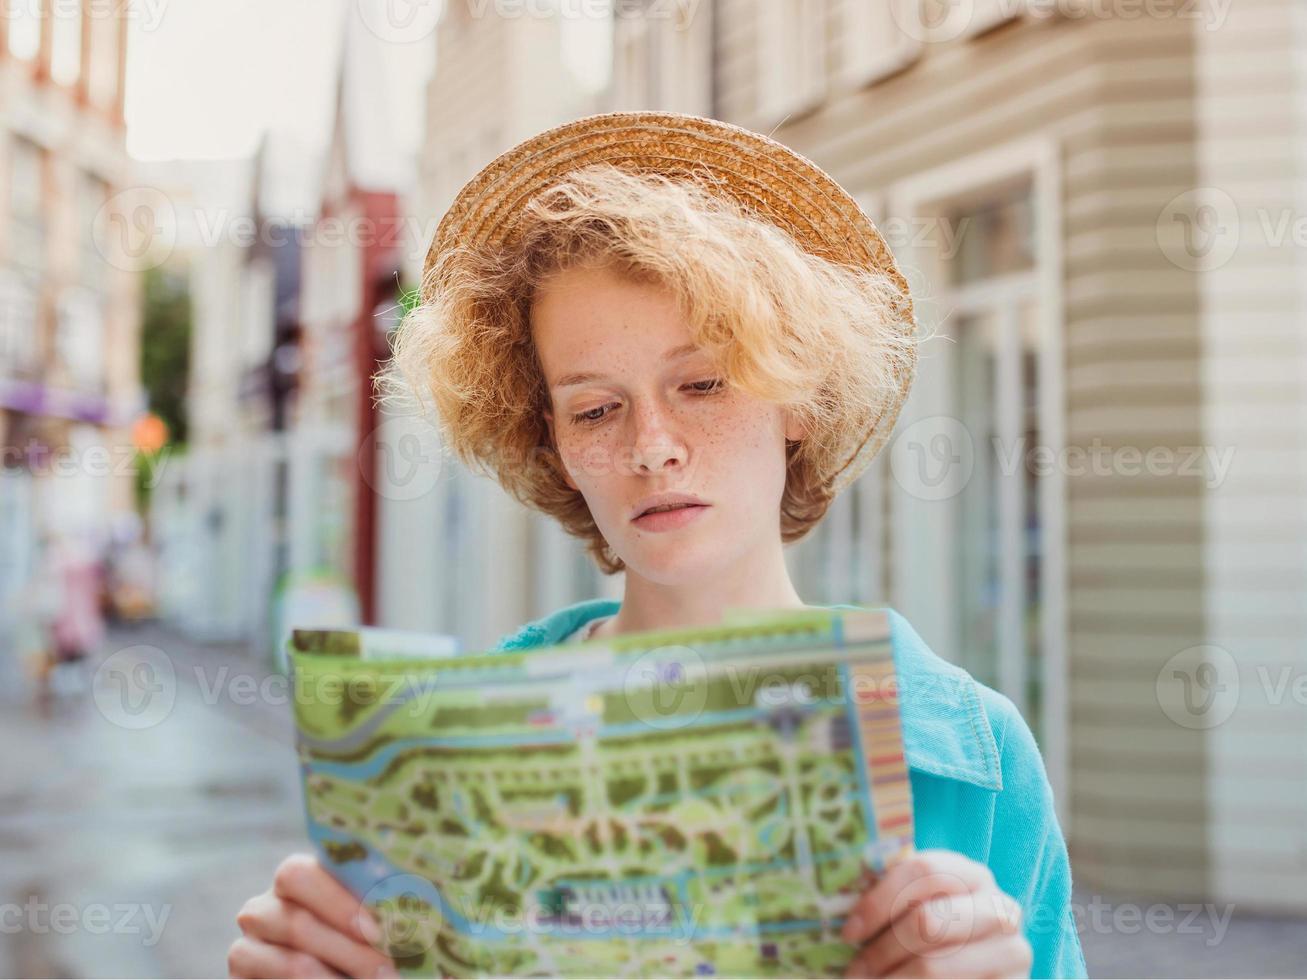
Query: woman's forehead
591	320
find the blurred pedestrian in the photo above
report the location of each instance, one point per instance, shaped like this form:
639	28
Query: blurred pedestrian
63	604
79	627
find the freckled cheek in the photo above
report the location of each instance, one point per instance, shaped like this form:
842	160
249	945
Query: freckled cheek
744	436
586	456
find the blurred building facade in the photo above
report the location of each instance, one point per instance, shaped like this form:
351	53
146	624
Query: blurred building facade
274	501
216	501
351	292
1096	477
69	324
458	555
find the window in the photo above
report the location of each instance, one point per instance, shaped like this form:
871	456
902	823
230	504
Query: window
995	237
791	52
24	30
27	233
633	87
19	353
93	193
1000	536
65	43
102	72
664	59
586	49
978	514
80	338
874	41
683	48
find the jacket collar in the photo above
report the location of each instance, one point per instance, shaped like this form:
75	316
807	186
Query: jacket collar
946	731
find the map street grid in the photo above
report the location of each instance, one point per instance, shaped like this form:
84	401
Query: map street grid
675	803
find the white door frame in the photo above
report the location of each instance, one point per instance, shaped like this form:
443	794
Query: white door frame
1039	159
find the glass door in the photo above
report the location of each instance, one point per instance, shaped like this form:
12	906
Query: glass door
998	546
970	518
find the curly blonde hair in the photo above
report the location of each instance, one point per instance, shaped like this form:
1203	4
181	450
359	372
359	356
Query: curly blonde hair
824	339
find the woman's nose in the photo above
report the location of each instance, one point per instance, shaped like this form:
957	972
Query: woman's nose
656	442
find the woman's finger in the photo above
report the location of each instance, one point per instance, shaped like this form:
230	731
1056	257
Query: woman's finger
302	880
285	923
936	924
910	881
251	957
995	956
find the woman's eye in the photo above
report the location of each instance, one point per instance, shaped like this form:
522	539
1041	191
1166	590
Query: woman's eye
709	386
715	384
589	417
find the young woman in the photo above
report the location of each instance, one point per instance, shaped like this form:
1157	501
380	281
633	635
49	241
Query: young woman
683	361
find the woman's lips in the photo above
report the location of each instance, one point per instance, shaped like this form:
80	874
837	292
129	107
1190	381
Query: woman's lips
669	520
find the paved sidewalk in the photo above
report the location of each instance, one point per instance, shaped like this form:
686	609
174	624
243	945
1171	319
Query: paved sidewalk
1195	940
129	851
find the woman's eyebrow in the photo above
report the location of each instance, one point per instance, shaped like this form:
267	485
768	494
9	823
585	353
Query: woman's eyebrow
585	377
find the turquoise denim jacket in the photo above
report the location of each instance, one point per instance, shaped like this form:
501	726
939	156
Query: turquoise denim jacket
978	780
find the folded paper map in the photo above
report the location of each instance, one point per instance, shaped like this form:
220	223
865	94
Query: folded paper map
702	802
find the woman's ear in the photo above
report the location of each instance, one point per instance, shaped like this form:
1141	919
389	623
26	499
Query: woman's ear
553	442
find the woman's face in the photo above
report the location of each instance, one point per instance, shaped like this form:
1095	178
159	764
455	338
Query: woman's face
637	410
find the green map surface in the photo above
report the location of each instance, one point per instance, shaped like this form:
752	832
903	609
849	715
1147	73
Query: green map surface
677	803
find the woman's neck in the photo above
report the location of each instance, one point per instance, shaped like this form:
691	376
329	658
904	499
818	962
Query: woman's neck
650	605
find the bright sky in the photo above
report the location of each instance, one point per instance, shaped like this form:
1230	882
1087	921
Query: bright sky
205	78
199	80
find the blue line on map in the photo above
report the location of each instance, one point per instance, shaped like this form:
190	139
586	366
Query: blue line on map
367	768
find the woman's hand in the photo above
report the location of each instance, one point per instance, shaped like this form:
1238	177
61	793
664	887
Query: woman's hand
307	925
937	913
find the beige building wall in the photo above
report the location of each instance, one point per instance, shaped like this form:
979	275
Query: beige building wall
1252	164
1153	356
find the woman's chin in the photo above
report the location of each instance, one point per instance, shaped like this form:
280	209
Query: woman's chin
672	560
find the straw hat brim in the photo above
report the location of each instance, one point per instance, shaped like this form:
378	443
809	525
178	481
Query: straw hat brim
766	177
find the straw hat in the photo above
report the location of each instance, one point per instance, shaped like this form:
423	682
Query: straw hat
770	180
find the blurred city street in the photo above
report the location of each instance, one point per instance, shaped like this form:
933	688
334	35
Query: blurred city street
216	221
161	831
